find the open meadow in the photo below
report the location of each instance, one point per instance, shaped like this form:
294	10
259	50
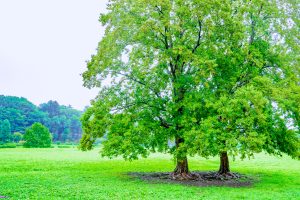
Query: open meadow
67	173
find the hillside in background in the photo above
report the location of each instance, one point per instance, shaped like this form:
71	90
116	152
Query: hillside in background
62	121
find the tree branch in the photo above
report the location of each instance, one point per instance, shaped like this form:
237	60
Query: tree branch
130	77
163	122
199	37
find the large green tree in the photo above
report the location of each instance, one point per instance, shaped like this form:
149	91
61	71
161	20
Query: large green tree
37	136
211	76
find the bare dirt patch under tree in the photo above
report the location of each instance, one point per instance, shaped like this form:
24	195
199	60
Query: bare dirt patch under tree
201	179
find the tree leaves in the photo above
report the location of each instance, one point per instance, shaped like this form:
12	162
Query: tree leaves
210	74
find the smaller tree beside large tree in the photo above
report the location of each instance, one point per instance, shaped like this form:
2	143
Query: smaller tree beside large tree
37	136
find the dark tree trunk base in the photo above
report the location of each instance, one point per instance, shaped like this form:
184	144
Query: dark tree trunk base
184	176
224	170
224	163
226	176
182	172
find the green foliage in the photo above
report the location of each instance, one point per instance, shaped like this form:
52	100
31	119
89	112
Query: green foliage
19	112
20	143
63	121
37	136
8	145
212	76
17	137
5	131
64	146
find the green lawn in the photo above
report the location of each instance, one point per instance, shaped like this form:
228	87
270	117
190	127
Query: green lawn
71	174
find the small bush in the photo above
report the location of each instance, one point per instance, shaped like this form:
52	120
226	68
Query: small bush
37	136
8	145
64	146
70	143
20	143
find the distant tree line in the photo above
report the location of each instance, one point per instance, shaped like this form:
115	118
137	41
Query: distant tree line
18	114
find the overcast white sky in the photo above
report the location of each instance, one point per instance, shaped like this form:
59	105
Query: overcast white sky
43	48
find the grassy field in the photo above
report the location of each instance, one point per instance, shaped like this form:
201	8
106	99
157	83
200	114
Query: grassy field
71	174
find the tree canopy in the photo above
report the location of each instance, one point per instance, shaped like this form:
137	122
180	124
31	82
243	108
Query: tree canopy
214	77
37	136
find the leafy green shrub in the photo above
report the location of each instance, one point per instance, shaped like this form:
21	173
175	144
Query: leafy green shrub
37	136
17	137
64	146
70	143
20	143
8	145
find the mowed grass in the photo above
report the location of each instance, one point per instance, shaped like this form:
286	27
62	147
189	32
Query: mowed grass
71	174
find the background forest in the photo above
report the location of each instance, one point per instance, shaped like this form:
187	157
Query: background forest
17	114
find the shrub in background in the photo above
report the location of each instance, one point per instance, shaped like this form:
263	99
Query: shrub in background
17	137
8	145
37	136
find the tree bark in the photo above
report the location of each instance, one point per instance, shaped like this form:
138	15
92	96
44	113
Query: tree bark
181	172
224	163
181	166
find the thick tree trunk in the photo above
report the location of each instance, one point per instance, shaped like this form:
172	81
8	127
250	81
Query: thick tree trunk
182	166
182	162
224	170
181	172
224	163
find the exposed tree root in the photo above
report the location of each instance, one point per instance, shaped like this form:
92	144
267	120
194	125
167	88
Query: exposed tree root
197	178
184	176
226	176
